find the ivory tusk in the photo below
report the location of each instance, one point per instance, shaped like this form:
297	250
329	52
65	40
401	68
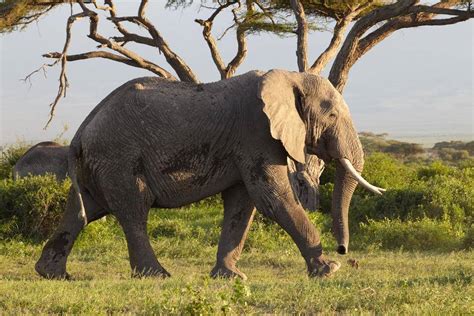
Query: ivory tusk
350	168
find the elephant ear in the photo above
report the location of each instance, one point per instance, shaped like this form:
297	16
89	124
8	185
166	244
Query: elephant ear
281	94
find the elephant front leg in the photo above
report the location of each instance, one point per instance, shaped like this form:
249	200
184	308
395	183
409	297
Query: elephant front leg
239	210
271	190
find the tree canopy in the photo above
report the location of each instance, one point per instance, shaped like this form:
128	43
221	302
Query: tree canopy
356	25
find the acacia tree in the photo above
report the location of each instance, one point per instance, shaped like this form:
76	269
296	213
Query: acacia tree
366	22
369	21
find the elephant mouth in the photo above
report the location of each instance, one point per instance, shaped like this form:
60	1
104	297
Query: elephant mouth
318	152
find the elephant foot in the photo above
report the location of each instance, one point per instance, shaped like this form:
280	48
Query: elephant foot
51	270
325	270
160	273
227	273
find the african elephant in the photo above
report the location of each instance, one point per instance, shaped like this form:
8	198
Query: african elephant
158	143
42	158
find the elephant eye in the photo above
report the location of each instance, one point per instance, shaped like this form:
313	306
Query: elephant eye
332	116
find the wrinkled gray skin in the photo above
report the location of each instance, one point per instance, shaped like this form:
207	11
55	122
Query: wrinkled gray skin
304	179
43	158
156	143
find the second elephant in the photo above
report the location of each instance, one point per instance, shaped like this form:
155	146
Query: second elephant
43	158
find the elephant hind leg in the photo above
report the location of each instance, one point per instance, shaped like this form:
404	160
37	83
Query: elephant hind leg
239	210
52	263
131	203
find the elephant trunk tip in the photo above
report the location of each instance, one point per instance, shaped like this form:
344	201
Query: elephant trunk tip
342	250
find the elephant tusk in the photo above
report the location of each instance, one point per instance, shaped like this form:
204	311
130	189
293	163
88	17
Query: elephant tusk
350	168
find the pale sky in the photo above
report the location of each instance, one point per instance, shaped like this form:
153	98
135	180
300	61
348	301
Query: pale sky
417	84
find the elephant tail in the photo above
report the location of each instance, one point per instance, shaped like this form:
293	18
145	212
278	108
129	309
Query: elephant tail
73	157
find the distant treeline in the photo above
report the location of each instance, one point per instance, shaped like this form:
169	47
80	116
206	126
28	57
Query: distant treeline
447	151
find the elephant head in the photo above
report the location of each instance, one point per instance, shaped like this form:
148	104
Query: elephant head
309	116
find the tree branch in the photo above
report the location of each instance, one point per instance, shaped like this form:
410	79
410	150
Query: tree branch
94	35
211	42
440	8
183	71
129	57
345	58
419	17
408	15
63	82
241	46
229	70
302	34
107	55
336	40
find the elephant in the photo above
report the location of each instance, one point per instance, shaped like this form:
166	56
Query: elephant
42	158
159	143
304	179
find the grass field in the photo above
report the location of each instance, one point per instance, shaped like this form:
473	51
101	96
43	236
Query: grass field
185	241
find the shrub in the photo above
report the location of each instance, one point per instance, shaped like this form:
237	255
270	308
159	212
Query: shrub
451	197
425	234
414	190
387	172
434	169
8	158
468	241
31	206
400	203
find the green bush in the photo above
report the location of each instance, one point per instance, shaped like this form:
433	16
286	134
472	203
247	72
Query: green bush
31	207
400	203
468	241
8	158
385	171
425	234
419	196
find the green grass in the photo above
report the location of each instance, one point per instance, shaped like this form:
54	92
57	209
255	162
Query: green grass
185	241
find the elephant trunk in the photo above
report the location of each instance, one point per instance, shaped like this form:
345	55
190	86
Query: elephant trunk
344	186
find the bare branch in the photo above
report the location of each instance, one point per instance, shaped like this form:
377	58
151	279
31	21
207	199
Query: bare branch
183	71
330	51
229	70
63	82
241	52
127	36
107	55
129	57
418	18
41	68
211	43
302	33
226	30
408	15
336	40
440	10
346	56
441	22
142	8
100	7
